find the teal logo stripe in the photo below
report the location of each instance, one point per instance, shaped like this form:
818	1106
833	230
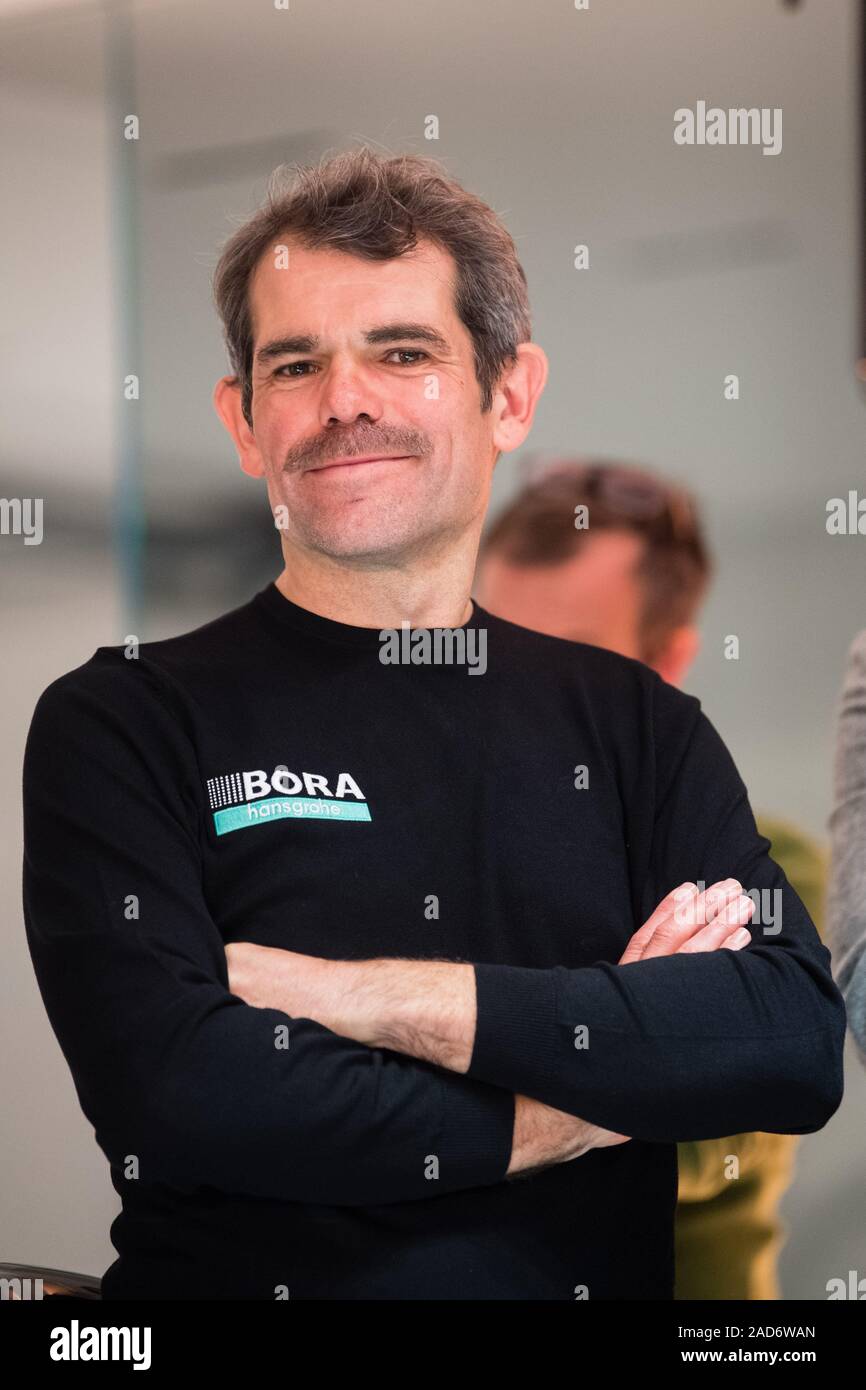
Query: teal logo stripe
291	807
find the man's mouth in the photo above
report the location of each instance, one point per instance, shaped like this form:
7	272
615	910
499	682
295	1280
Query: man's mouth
356	462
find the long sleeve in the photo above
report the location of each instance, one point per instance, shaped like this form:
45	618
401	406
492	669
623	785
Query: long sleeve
683	1047
846	906
167	1064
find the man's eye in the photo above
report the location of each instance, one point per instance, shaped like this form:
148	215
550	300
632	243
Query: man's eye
287	368
408	352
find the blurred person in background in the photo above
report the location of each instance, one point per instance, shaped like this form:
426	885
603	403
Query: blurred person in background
610	554
846	903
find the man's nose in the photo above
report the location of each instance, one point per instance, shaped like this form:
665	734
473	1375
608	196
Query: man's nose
347	393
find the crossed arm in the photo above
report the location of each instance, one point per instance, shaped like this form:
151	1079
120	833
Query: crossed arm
427	1008
687	1037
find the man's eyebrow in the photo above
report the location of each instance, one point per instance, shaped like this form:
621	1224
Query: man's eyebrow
281	347
387	333
412	332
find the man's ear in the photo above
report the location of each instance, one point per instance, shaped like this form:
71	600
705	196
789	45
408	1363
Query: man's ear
679	652
517	396
228	406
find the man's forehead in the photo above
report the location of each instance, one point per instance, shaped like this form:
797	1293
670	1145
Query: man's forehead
310	276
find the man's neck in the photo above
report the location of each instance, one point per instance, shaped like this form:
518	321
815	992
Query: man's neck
433	595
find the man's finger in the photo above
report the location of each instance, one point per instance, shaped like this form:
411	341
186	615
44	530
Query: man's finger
637	943
679	916
717	932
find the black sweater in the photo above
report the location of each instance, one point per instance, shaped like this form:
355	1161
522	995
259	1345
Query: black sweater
267	778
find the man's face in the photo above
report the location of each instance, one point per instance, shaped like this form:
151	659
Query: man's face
384	367
594	596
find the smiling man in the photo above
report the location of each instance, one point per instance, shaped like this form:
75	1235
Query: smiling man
375	981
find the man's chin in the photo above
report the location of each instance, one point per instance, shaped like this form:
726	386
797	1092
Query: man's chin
372	548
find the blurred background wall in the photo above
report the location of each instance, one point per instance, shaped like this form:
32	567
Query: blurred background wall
703	262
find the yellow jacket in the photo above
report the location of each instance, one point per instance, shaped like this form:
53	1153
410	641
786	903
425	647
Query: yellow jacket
728	1231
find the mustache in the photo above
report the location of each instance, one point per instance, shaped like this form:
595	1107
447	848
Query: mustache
315	453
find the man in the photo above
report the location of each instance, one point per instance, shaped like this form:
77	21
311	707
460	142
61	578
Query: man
633	579
221	832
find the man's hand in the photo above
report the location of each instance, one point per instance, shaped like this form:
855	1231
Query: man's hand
687	920
544	1136
684	921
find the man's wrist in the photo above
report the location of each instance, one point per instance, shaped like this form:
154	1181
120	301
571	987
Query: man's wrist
426	1009
544	1136
363	1000
307	986
423	1008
